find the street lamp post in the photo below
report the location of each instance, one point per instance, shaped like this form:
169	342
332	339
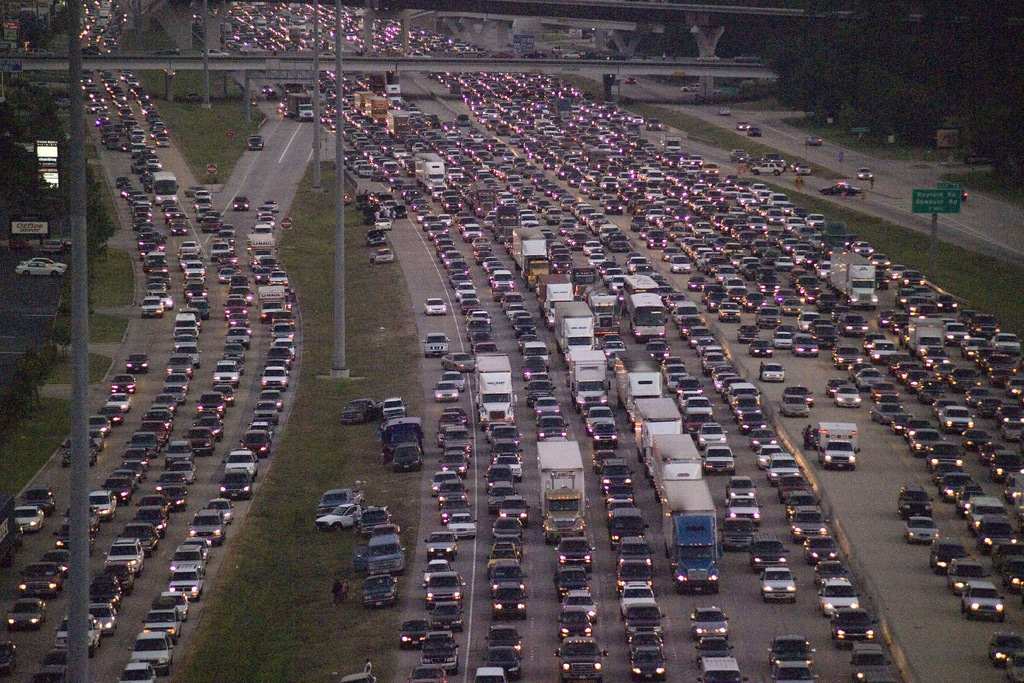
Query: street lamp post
339	367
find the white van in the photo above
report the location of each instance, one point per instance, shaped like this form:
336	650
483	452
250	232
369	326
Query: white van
489	674
720	670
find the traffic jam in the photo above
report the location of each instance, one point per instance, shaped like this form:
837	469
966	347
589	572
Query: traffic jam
631	324
177	402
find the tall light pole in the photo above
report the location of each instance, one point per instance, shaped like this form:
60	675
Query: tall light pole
78	522
317	185
339	368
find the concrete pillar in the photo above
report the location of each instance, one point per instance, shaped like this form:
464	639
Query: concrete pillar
624	44
608	80
707	37
406	16
369	14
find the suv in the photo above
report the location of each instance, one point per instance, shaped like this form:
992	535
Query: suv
580	659
868	662
981	600
766	550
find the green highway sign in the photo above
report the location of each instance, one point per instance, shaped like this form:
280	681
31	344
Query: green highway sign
959	187
944	200
860	130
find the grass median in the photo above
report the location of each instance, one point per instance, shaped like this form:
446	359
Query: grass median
271	617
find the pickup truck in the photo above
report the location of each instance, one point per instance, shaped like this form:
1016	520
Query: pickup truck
435	345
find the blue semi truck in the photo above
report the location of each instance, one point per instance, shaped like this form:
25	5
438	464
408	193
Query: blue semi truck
691	535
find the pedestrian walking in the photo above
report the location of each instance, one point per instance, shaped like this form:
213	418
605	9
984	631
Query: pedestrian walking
336	591
872	181
344	590
842	156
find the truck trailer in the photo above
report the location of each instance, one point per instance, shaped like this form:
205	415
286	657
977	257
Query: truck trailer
588	382
494	399
636	376
530	254
574	326
853	277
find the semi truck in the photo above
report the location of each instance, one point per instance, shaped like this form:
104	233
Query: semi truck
653	416
607	310
550	290
674	457
494	398
530	254
690	530
376	109
588	383
853	277
636	376
562	491
430	173
574	326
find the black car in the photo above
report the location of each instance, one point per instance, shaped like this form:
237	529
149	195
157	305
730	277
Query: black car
504	656
851	625
412	634
254	143
914	500
647	663
137	363
236	485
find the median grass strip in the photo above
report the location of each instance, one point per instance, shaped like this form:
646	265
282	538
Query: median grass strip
107	329
98	366
270	617
111	281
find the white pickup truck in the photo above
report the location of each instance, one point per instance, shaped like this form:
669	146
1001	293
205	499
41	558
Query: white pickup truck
435	345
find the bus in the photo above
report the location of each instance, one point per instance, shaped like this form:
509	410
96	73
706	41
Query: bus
639	284
646	315
165	186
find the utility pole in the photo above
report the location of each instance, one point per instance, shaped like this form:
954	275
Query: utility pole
78	522
339	369
317	185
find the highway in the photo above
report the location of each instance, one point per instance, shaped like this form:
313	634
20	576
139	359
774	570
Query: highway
862	503
262	176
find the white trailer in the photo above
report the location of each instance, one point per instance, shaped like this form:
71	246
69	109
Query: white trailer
588	382
562	489
495	400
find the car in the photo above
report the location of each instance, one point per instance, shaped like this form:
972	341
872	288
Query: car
794	406
29	518
462	525
813	141
849	625
1002	645
382	255
837	593
360	411
772	372
240	203
344	516
921	529
865	173
708	621
26	614
445	391
847	396
461	362
40	266
435	306
777	584
981	600
254	143
842	188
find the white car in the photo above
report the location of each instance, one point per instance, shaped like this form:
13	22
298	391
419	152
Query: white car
446	392
227	372
152	307
138	672
581	599
226	507
40	266
274	378
29	519
864	173
837	593
462	525
777	585
121	400
435	306
679	264
772	372
242	459
711	433
455	377
436	567
744	507
189	582
847	396
921	529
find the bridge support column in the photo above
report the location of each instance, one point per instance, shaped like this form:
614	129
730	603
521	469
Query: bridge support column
707	37
406	18
625	45
169	85
608	80
247	96
369	15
